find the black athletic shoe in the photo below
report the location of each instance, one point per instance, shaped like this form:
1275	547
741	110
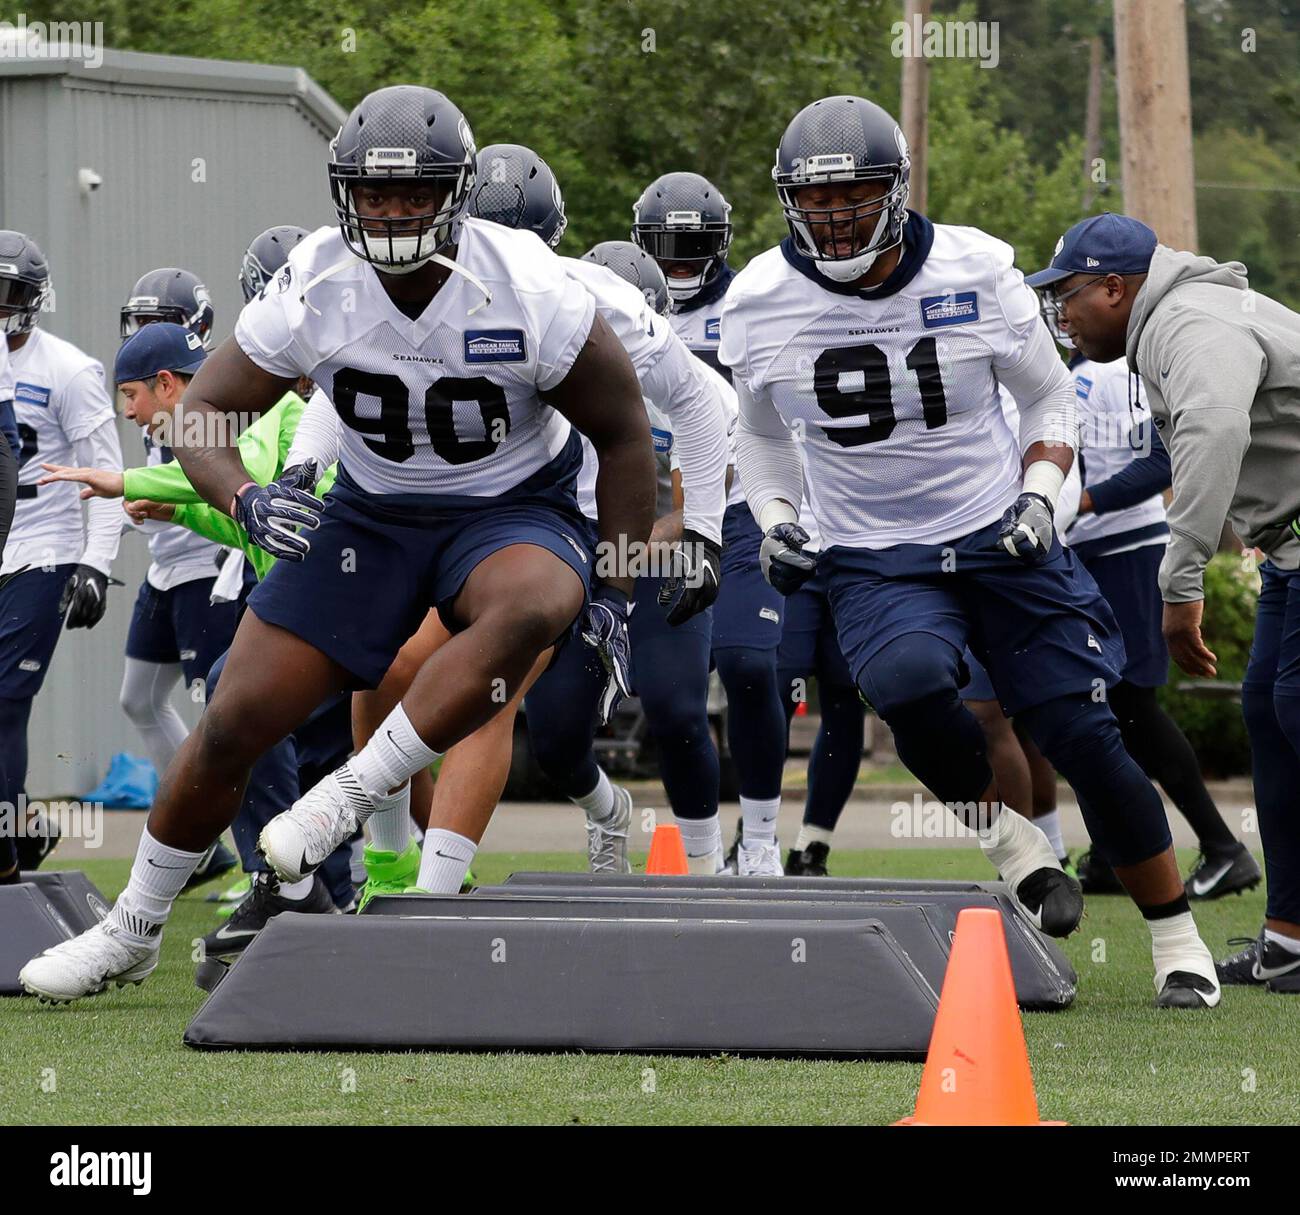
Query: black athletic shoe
39	840
811	862
1262	961
1284	985
1053	900
261	904
1216	874
1095	874
1183	989
217	860
729	861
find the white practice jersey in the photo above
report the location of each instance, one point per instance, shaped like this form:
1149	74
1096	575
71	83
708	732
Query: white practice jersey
447	404
1114	429
6	374
701	329
59	398
894	400
661	435
176	554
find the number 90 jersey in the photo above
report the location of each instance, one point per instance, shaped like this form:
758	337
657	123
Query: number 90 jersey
893	399
444	405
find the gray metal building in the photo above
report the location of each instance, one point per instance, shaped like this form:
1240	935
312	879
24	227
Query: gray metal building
193	157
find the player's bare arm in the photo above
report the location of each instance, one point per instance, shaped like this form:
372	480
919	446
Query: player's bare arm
602	398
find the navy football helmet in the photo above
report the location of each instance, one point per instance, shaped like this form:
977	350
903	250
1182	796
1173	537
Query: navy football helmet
24	282
682	218
169	294
267	254
403	133
516	188
634	264
843	139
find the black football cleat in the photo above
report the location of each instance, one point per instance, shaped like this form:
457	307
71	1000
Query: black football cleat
811	862
1218	873
217	860
262	903
39	839
1096	875
729	861
1183	989
1053	901
1261	962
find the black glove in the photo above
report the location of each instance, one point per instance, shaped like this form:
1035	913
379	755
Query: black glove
785	565
1027	529
604	628
299	476
84	598
696	577
269	514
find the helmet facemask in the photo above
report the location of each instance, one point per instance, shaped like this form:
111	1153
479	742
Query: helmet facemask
404	243
26	299
684	238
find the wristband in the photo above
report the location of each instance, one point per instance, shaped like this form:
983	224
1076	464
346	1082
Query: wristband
235	499
774	511
1044	478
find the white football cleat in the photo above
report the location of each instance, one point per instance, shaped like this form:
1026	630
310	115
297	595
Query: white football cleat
760	860
607	841
296	842
85	965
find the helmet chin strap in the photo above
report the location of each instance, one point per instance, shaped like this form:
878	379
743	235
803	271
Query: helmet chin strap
683	288
848	269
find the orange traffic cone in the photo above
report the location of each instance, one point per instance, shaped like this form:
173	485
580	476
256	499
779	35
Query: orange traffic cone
667	852
977	1067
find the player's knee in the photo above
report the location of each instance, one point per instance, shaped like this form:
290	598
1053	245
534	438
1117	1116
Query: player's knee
910	672
742	669
231	735
1073	730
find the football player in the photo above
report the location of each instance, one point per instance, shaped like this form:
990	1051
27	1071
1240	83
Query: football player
160	353
10	447
433	334
684	223
867	350
56	566
176	630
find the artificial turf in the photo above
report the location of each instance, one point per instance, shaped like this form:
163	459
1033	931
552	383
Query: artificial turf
1111	1059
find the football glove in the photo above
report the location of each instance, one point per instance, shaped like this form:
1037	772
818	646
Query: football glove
84	598
604	628
696	577
785	565
1027	529
300	476
271	513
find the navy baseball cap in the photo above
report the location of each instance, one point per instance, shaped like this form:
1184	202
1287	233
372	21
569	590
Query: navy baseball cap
160	346
1103	244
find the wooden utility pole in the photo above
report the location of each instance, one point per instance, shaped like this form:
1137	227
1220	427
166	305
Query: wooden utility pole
916	102
1155	117
1092	122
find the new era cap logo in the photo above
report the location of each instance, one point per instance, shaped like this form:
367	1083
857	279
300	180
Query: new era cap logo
1091	261
495	346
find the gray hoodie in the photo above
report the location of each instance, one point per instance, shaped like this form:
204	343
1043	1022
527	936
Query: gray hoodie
1221	368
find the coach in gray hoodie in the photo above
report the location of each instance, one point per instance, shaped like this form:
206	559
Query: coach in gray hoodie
1221	367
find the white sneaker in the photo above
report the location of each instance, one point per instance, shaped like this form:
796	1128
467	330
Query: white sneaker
85	965
296	842
759	860
607	841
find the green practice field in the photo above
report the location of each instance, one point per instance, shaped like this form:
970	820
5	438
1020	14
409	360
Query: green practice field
1110	1059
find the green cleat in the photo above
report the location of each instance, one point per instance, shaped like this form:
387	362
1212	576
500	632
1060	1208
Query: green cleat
389	872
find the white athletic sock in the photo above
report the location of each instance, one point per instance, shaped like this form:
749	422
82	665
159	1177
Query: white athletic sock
394	753
299	889
1050	825
390	825
157	878
443	862
1176	945
1016	847
702	838
599	803
758	818
808	834
1290	944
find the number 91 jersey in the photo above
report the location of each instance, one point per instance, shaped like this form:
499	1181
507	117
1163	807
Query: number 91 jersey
443	405
893	398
